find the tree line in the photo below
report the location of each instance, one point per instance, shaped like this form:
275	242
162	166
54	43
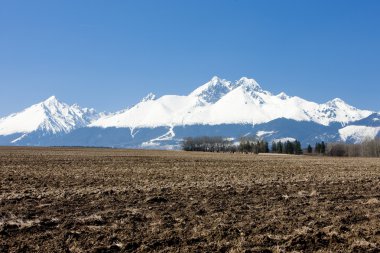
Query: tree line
208	144
245	145
287	147
368	148
319	148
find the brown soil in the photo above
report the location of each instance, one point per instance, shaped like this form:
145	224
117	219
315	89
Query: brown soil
103	200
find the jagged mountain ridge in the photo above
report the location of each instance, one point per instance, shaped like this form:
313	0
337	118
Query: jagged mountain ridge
219	107
50	117
222	102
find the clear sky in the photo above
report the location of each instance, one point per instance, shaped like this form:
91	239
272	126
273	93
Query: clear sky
110	54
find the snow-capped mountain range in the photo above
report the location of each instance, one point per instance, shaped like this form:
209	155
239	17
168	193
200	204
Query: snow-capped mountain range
218	107
222	102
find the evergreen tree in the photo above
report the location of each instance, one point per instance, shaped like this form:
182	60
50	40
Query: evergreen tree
297	148
280	147
266	145
317	148
289	148
323	147
274	147
256	147
309	149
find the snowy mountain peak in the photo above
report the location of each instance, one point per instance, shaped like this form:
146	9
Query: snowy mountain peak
51	102
213	90
337	110
49	116
223	102
249	82
252	89
215	80
51	99
283	96
149	97
336	102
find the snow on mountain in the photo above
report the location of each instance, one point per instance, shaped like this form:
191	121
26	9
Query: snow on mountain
340	111
285	139
359	131
247	104
51	116
149	97
261	134
165	111
223	102
213	90
283	96
357	134
218	107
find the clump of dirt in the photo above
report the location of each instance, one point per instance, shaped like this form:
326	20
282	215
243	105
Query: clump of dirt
156	200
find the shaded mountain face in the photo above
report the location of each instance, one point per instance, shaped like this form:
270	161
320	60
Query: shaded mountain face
218	107
372	120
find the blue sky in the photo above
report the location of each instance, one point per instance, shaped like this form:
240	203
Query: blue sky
110	54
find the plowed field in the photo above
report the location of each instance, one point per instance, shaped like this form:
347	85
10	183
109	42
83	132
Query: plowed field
105	200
